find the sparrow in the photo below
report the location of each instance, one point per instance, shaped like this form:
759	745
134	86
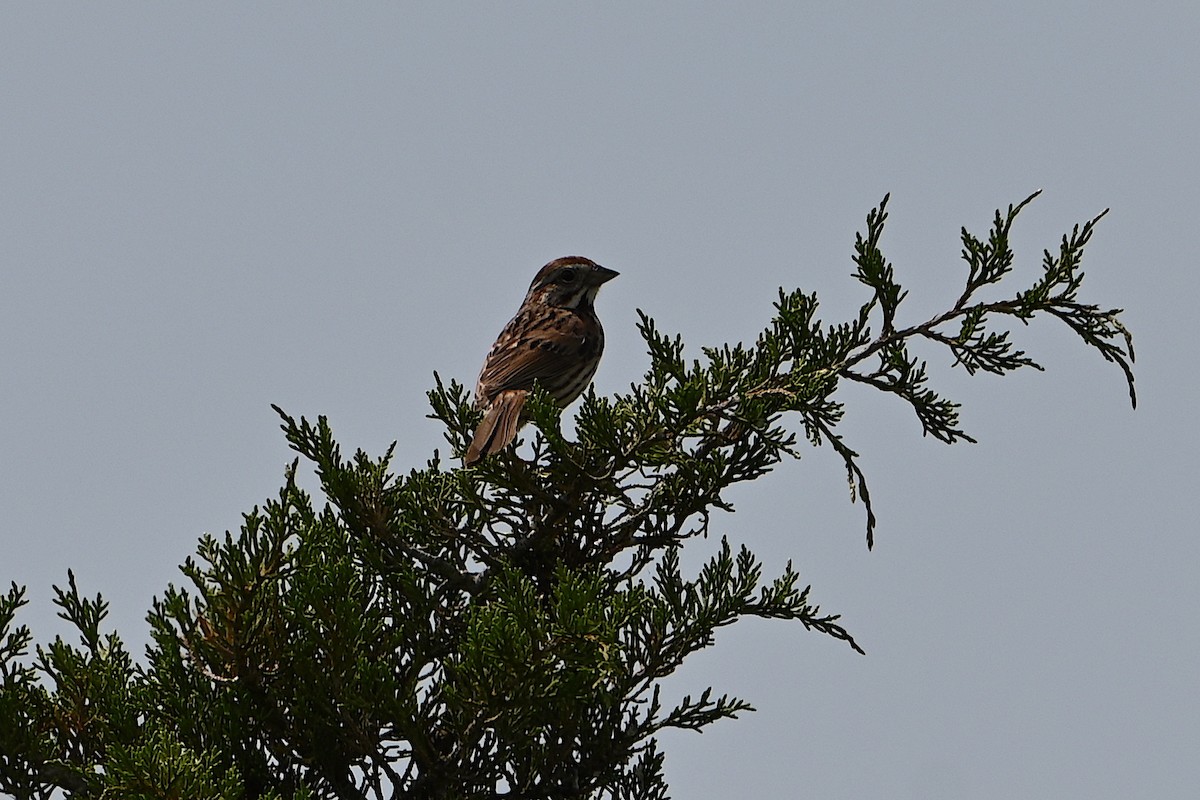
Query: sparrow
555	340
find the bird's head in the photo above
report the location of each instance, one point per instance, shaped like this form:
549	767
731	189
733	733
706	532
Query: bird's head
569	282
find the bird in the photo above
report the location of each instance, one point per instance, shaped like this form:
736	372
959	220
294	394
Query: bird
555	340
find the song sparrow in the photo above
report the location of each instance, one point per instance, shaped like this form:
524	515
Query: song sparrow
554	340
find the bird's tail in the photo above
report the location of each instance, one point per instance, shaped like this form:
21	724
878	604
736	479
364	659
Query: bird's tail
499	426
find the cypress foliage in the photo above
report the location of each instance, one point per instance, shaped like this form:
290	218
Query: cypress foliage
500	631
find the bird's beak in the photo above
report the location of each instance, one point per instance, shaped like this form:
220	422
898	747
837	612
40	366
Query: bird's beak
603	275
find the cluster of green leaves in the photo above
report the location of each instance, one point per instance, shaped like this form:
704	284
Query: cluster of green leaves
88	733
499	631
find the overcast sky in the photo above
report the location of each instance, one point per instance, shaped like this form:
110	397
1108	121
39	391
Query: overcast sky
205	209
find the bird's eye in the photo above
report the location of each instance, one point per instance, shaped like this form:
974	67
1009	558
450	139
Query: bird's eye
568	275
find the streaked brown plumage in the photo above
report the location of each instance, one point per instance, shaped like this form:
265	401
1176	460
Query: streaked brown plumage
555	340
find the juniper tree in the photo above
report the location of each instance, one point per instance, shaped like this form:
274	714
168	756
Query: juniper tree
501	631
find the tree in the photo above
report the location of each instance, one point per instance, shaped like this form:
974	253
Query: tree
499	631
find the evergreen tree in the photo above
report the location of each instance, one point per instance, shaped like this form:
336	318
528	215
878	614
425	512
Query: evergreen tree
499	631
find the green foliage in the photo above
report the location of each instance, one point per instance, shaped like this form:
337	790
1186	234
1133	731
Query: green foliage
499	631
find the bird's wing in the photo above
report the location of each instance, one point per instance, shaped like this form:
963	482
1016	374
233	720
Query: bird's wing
527	352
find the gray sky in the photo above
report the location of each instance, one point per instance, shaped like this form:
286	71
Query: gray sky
207	209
